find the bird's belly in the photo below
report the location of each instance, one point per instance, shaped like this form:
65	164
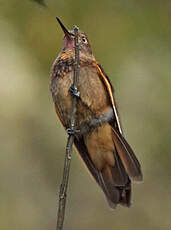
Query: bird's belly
62	98
92	103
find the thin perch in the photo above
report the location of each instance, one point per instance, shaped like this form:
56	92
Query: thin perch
66	170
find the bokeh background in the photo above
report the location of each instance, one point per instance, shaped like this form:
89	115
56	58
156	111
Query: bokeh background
132	41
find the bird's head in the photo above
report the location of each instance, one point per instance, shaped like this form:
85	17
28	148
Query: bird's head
68	41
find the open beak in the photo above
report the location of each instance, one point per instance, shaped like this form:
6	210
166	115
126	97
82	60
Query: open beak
67	33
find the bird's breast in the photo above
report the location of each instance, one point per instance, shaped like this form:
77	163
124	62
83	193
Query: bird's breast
93	100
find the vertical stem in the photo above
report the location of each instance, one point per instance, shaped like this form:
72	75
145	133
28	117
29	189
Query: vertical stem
66	170
75	80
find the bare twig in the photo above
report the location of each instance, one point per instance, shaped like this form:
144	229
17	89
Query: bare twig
64	184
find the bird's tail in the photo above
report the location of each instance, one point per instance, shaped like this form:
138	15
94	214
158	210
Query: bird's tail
115	180
116	184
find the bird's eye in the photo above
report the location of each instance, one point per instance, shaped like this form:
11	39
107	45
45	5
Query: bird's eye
83	39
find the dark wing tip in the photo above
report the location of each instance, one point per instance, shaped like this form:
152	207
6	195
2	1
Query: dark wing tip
127	156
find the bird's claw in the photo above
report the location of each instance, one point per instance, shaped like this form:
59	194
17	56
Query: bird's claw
74	91
72	131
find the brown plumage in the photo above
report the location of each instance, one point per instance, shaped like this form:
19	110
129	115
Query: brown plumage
100	142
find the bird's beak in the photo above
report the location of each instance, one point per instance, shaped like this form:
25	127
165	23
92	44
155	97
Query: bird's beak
67	33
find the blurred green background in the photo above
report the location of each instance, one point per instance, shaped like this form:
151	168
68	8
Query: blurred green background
132	41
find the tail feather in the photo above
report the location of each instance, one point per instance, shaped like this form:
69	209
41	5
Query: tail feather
113	180
119	174
111	193
115	194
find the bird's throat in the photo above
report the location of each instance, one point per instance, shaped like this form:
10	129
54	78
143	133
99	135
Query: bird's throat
68	43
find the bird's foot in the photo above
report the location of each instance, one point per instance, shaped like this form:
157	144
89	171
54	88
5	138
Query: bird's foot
72	131
74	91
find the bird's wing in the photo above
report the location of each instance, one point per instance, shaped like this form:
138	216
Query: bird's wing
123	149
114	180
110	91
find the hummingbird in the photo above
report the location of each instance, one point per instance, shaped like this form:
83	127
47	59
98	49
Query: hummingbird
100	140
